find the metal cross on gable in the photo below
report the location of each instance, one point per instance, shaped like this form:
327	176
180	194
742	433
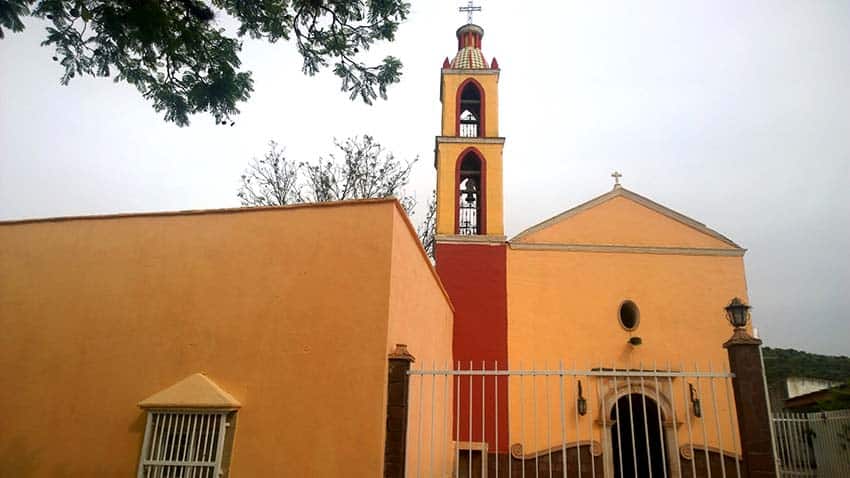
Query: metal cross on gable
469	9
616	175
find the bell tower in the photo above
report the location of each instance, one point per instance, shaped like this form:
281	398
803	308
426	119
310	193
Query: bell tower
470	248
469	149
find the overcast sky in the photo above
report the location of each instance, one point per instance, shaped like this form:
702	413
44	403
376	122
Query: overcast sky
736	114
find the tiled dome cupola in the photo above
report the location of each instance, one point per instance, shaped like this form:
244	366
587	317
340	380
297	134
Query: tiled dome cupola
469	56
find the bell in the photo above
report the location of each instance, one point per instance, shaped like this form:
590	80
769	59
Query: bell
470	190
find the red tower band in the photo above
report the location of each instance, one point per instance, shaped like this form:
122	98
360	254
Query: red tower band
474	275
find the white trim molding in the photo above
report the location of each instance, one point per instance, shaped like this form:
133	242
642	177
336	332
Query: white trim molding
678	251
471	72
471	140
470	239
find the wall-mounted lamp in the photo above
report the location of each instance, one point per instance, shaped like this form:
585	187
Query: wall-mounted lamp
695	402
581	403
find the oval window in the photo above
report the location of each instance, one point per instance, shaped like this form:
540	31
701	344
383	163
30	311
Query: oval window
629	315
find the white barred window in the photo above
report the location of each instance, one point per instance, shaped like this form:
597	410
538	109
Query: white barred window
186	443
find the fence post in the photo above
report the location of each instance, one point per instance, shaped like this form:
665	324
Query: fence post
397	392
751	404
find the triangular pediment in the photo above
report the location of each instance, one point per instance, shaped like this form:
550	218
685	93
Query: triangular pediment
624	219
194	391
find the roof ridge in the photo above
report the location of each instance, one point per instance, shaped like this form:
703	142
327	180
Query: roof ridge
619	191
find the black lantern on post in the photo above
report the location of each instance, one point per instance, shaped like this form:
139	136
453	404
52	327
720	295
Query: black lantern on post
738	313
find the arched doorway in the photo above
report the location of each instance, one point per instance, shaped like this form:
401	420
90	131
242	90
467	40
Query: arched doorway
636	439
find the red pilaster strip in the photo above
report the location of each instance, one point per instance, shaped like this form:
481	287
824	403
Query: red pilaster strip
474	275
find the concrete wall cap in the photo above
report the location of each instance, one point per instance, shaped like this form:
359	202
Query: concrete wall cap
400	353
741	337
194	391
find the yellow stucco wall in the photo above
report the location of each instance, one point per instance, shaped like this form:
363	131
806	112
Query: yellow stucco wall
448	88
563	305
421	317
286	309
447	156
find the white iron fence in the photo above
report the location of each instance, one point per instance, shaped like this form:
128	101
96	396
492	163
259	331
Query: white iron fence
478	420
813	445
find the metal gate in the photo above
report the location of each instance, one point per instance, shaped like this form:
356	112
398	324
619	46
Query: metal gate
813	445
479	420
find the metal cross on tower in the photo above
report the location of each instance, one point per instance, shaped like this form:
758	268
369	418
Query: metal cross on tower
469	9
616	175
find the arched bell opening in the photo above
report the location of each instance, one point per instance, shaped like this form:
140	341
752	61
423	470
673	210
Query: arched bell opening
470	110
637	439
470	195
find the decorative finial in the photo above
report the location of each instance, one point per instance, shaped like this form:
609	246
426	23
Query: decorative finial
469	9
616	175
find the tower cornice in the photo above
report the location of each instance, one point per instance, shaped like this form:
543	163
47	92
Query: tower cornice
468	140
470	239
468	71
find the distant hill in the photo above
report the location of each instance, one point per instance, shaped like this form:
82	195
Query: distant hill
780	364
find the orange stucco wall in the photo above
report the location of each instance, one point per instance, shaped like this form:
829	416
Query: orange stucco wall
287	309
447	156
421	317
563	305
562	301
449	86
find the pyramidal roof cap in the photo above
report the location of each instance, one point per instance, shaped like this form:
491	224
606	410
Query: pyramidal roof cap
194	391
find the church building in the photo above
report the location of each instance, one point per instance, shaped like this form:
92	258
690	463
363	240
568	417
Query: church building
617	283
